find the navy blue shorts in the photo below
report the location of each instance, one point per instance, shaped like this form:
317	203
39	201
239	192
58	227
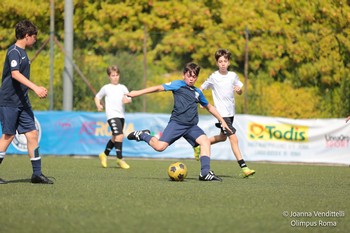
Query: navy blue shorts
174	131
17	119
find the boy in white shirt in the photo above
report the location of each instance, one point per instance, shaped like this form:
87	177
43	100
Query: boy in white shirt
115	98
223	84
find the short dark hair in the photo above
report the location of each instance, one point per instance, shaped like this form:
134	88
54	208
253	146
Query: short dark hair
113	68
222	52
193	68
25	27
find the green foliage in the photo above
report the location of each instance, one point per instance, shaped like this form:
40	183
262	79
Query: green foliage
281	99
344	97
300	44
40	75
132	76
131	71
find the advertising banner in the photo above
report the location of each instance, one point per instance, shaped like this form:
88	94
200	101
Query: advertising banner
288	140
260	138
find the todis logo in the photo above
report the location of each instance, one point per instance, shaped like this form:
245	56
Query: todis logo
277	132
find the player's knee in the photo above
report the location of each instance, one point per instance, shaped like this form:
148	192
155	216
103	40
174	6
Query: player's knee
32	136
205	143
222	138
160	147
233	137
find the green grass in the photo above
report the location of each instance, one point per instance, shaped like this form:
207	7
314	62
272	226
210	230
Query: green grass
87	198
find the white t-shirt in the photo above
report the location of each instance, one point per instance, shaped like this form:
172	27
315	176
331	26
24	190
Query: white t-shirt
113	94
223	92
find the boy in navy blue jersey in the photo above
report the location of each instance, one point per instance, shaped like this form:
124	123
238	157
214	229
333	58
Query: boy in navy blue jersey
16	113
184	119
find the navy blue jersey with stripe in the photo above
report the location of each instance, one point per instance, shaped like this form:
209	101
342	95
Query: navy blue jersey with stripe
12	92
186	99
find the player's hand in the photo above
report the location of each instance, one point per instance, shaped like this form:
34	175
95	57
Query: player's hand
41	92
131	94
225	127
347	119
127	99
237	89
100	108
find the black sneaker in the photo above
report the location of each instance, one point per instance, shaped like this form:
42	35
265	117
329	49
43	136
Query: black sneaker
41	179
136	134
209	177
3	181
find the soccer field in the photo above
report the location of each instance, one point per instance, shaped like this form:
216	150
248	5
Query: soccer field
87	198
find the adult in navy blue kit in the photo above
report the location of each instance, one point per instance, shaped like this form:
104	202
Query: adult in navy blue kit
184	118
16	113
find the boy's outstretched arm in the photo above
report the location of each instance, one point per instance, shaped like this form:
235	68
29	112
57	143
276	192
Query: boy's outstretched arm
146	91
216	114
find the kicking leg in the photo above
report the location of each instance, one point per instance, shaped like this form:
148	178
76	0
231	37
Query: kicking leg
144	135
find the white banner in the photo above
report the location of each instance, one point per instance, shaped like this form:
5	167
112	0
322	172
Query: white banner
286	140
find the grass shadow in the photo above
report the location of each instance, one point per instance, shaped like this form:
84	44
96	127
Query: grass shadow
19	181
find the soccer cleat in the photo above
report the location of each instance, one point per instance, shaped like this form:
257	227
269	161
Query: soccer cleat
3	181
103	159
136	134
246	172
41	179
122	164
209	177
197	152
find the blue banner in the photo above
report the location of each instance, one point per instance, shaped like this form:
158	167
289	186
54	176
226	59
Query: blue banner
260	138
86	133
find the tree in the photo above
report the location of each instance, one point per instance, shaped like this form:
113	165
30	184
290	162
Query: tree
302	45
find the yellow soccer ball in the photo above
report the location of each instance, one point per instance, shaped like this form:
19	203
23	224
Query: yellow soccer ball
177	171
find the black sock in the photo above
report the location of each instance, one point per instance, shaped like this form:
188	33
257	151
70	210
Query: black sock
242	163
1	157
36	162
109	147
118	149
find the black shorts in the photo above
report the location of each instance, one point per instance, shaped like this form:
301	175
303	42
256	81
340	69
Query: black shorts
116	125
229	122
